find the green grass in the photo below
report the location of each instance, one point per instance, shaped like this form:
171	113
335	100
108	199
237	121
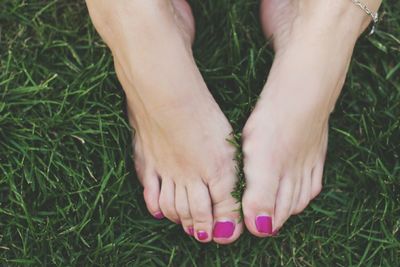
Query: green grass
69	197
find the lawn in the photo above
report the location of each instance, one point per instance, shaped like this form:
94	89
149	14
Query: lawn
68	192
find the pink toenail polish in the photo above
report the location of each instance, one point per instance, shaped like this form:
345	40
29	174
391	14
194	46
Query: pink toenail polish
202	235
264	224
190	230
224	229
158	215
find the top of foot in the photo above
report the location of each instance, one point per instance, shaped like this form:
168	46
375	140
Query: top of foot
181	152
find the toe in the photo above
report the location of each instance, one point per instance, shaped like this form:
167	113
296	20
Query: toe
226	210
284	201
259	199
304	196
318	171
316	179
182	208
297	184
151	193
167	200
200	209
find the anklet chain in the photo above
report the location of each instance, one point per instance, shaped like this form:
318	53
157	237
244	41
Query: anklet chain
373	15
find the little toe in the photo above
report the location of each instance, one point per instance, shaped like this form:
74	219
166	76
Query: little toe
167	200
200	209
151	193
183	210
316	179
318	171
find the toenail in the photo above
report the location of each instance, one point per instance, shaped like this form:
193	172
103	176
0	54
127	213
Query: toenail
224	229
158	215
202	235
190	230
264	224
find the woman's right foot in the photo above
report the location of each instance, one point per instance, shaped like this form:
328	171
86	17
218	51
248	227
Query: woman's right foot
181	152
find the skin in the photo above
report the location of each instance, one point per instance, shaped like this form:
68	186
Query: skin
181	154
285	139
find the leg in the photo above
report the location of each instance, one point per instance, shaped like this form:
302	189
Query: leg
285	139
181	154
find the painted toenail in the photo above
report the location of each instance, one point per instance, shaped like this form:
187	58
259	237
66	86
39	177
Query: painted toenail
190	230
158	215
264	224
202	235
224	229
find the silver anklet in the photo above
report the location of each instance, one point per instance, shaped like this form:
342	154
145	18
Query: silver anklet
373	15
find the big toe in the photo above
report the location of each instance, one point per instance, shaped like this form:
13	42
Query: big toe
259	198
226	210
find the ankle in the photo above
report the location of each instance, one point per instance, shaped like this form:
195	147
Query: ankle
340	18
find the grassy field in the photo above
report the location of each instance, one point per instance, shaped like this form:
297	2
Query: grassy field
68	193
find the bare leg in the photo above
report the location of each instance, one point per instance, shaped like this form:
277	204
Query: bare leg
182	158
285	138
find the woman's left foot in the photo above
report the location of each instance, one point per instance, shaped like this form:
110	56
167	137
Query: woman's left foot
285	138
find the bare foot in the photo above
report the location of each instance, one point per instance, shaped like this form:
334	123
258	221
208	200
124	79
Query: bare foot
285	138
181	155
